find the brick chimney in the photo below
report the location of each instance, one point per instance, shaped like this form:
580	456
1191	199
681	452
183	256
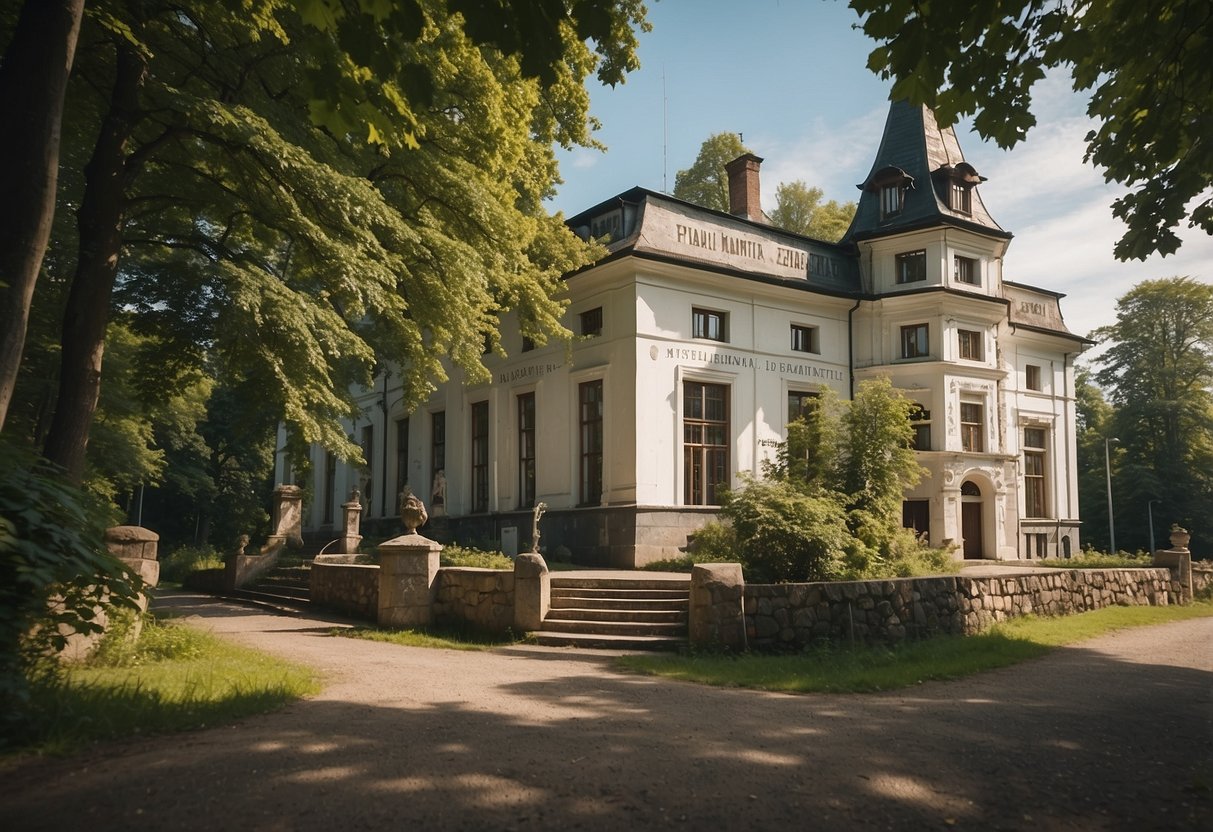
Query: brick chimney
745	194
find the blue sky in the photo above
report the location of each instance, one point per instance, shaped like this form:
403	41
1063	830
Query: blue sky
791	76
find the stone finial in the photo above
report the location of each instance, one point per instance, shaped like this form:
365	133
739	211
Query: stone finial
242	544
412	511
1180	537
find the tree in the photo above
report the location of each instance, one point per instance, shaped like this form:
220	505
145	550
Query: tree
1158	371
798	208
33	82
1093	416
705	182
1151	104
213	197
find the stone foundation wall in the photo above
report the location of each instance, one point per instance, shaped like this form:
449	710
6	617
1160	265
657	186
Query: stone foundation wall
483	598
349	588
793	615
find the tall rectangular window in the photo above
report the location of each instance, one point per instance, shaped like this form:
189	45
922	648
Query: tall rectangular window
589	398
966	270
368	471
1034	472
972	427
912	267
920	421
705	425
438	458
480	456
591	322
916	515
914	343
962	198
1032	377
970	344
804	339
402	455
330	486
706	323
526	450
799	403
890	200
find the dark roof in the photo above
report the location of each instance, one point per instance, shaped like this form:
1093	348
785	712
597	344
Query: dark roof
926	159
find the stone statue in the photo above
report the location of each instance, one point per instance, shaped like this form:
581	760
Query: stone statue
242	544
540	508
412	511
438	491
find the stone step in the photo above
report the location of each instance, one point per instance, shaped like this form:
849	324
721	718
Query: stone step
653	616
620	594
284	590
677	582
557	624
273	598
605	641
561	601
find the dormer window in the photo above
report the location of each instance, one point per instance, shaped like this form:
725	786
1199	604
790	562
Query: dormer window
962	198
956	183
890	185
890	200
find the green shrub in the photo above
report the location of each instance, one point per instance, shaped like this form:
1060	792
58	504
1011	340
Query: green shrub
460	556
1091	559
714	543
186	559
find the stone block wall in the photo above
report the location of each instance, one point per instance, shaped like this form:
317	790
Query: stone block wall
874	612
483	598
349	588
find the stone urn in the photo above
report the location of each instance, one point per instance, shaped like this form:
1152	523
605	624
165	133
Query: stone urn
1180	537
412	512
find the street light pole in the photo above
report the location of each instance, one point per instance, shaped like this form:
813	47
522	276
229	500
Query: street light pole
1107	467
1150	513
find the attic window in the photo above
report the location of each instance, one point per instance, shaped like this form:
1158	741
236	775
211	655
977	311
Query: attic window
962	198
890	200
890	184
957	183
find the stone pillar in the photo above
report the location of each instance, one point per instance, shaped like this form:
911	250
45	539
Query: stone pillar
288	514
532	592
408	566
136	547
1179	560
717	615
353	520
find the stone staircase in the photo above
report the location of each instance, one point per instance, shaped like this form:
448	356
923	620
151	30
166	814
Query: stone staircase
286	585
627	612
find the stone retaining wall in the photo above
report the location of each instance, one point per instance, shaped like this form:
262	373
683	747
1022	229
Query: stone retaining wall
793	615
349	588
483	598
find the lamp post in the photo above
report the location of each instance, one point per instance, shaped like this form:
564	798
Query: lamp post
1107	467
1150	514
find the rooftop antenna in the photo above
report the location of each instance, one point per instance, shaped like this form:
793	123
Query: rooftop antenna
665	134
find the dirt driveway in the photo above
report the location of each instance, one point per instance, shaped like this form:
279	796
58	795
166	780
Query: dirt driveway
1115	734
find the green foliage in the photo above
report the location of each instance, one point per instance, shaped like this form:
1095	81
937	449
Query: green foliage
478	558
1090	559
962	58
442	638
830	505
186	559
714	543
1158	374
799	209
55	571
705	182
173	679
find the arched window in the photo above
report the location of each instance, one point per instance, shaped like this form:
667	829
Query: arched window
969	489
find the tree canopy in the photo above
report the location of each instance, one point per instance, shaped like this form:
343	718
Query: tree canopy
798	208
705	182
1146	66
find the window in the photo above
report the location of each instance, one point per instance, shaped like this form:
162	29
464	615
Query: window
528	344
804	338
962	198
438	459
920	421
799	404
1032	373
890	200
591	322
480	456
589	396
966	270
914	341
705	424
972	427
912	267
402	454
1034	472
710	325
368	470
970	344
916	515
526	450
330	486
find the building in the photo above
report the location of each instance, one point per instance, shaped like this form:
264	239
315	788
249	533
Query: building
699	337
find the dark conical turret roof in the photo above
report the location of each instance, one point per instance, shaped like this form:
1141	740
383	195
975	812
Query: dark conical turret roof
926	159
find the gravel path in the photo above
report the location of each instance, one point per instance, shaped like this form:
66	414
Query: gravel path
1114	734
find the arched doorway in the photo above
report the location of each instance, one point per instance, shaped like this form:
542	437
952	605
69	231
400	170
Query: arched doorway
970	519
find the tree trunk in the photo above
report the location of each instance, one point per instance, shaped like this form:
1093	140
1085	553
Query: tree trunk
33	82
100	220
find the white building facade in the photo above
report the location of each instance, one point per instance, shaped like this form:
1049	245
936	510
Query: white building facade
699	337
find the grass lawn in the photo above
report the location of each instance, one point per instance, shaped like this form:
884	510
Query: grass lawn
175	678
440	638
838	669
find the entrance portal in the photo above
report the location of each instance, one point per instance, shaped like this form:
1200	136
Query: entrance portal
970	520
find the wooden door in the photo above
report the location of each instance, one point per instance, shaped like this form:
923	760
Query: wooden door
970	528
